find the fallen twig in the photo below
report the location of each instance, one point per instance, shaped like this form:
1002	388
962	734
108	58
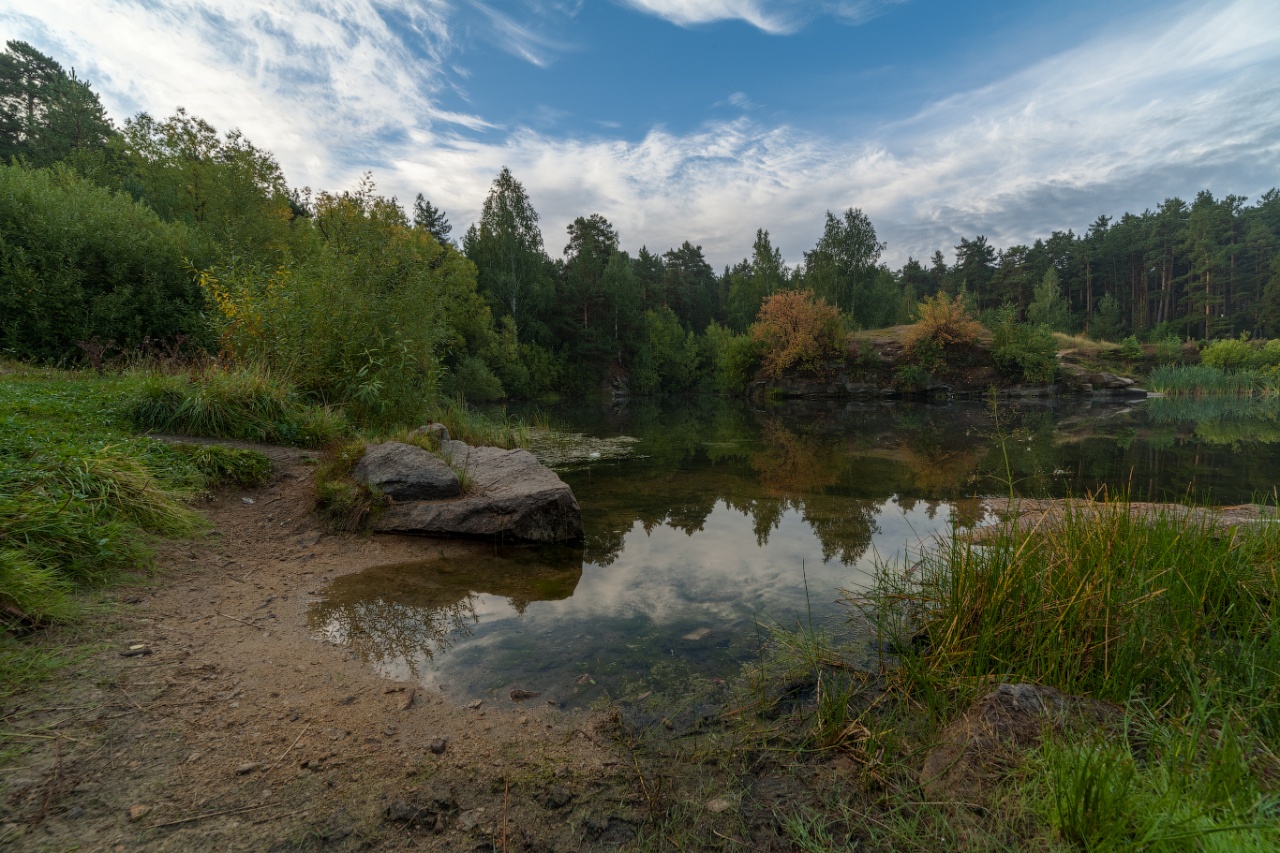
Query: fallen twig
241	621
290	749
211	814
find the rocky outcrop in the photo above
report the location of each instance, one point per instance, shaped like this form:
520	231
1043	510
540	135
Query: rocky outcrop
405	472
511	496
984	744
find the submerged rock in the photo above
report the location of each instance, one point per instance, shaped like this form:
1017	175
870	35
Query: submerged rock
405	472
510	496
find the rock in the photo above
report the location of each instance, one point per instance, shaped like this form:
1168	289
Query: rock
136	812
519	695
512	496
470	819
404	472
719	805
247	767
438	746
989	739
474	704
439	432
697	634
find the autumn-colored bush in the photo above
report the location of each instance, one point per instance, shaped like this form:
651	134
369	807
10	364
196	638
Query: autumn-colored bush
796	329
944	321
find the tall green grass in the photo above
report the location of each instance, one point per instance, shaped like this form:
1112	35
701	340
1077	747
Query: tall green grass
81	498
243	403
1203	380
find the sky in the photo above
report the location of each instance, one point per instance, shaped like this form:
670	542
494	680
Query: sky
704	120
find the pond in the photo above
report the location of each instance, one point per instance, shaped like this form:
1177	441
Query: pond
728	520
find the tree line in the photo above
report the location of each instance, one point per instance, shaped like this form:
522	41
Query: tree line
165	227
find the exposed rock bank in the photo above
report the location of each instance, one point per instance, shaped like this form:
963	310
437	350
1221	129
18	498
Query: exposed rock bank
511	496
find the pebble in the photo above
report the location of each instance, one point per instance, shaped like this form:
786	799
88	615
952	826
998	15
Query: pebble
438	746
719	805
136	812
247	767
475	704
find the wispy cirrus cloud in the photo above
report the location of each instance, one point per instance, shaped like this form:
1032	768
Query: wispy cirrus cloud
335	87
779	17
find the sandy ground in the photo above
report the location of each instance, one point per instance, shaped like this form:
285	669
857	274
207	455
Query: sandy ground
209	718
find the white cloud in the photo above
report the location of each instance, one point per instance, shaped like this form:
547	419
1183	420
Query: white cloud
1115	124
778	17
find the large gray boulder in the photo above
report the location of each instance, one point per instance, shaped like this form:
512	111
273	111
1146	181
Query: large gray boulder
404	472
510	496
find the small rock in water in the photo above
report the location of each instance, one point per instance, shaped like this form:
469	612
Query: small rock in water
585	678
475	704
697	634
519	695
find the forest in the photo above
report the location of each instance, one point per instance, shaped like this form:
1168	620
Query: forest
165	233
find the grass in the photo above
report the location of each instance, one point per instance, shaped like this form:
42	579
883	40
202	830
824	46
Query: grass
242	403
81	498
1172	618
1203	380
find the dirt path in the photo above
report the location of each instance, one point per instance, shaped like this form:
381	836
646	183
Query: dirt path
211	719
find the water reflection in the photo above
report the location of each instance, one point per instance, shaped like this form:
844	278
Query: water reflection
735	516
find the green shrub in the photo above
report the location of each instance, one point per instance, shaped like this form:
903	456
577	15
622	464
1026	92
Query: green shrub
734	358
473	380
1022	350
1169	349
1130	349
912	377
1230	354
78	262
348	504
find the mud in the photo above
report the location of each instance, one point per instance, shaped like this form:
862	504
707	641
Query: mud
207	717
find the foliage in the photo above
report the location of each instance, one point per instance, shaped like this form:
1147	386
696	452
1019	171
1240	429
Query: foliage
942	322
366	321
1130	349
734	358
347	503
46	114
473	380
842	270
1047	307
243	403
1108	323
230	193
669	358
1241	353
78	262
797	330
1021	349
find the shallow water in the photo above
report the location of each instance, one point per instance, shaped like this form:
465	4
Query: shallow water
728	520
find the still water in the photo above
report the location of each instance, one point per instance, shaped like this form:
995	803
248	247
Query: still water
727	520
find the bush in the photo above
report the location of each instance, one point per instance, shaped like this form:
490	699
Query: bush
944	321
1169	349
473	380
734	358
1130	349
1022	350
78	262
797	330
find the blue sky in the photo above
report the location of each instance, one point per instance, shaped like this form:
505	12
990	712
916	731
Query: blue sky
707	119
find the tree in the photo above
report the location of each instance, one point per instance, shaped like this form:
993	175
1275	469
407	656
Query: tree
690	286
506	247
842	266
1047	306
226	188
46	114
429	218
